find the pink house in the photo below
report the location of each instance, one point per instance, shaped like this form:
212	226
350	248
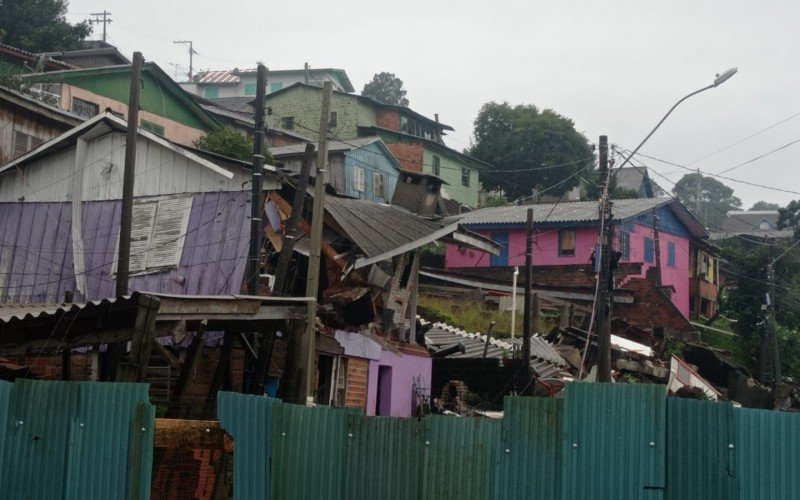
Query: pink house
567	234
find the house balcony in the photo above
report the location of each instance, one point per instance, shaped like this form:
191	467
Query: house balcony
699	287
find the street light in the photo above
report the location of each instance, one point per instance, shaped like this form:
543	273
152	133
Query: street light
718	80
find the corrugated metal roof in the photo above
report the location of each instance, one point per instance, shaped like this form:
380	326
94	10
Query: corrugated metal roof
608	431
443	335
379	229
333	146
574	211
630	177
217	77
64	115
38	268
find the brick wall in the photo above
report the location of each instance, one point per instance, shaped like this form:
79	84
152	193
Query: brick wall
389	119
409	154
357	378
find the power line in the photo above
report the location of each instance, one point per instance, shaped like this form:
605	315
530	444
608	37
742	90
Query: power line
745	139
760	156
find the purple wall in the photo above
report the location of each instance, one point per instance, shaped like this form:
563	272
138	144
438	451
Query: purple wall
36	250
545	253
406	369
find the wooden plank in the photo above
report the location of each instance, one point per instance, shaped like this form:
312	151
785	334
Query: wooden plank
142	341
168	356
176	433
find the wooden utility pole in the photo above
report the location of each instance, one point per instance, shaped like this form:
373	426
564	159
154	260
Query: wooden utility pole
256	209
606	280
314	254
698	189
104	21
192	52
126	213
290	233
526	318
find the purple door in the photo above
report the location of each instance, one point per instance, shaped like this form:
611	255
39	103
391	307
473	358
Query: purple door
384	399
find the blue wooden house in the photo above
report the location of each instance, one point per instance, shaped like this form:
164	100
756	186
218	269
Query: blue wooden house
361	168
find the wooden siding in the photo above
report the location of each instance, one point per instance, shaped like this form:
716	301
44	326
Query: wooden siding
357	381
450	172
159	171
13	120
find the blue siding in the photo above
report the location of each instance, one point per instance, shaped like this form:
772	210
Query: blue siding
373	158
667	222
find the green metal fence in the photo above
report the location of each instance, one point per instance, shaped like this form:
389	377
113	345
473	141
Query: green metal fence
601	441
75	440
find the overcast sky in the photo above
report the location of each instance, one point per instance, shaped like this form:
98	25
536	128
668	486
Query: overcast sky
613	67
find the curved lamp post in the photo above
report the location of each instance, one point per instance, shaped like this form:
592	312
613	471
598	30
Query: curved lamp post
719	80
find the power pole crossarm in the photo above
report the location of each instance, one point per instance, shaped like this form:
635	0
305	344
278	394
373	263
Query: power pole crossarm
192	52
106	19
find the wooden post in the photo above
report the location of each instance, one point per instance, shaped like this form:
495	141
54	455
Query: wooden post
187	369
290	232
526	319
256	210
312	285
603	317
134	370
223	366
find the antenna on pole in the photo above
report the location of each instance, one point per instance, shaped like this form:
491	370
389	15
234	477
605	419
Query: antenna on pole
106	19
176	67
192	52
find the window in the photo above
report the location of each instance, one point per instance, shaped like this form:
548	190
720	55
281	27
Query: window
276	86
671	254
25	142
437	166
333	120
649	250
764	225
377	184
157	233
287	122
566	242
211	92
249	89
84	108
625	244
358	179
464	177
153	127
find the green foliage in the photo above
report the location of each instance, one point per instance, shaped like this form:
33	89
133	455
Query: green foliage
386	88
621	193
764	205
9	75
40	25
744	301
228	142
789	217
716	199
496	201
521	140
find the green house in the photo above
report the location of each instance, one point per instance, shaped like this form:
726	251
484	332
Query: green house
414	139
165	108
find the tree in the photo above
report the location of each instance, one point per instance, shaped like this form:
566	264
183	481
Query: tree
386	88
230	143
764	205
716	199
40	25
789	217
525	145
745	296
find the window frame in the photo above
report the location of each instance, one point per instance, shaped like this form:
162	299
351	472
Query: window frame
437	166
465	175
78	104
152	127
377	180
359	179
250	89
671	254
275	86
562	250
625	244
287	122
649	250
333	120
214	94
